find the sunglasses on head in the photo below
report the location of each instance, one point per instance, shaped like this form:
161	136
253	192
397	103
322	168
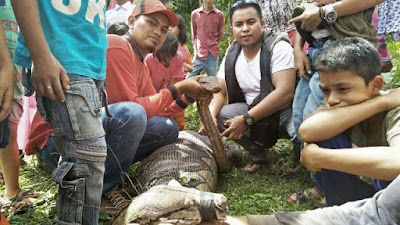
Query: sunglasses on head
240	2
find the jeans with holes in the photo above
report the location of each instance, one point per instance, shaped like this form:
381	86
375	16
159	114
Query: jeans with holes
308	96
79	137
210	66
128	120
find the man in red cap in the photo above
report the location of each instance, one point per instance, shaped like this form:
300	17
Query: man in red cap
128	78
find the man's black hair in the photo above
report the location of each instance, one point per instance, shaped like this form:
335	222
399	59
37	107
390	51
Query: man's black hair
241	4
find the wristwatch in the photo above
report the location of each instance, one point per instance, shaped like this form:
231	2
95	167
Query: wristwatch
248	119
330	14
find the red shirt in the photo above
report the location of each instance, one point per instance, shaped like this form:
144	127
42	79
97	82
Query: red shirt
161	75
128	79
207	31
40	133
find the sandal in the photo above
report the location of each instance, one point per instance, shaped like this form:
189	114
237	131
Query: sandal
21	202
304	195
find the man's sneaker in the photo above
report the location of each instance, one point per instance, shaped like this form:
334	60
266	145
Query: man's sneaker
114	201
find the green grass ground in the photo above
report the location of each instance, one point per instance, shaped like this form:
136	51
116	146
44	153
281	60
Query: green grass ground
260	193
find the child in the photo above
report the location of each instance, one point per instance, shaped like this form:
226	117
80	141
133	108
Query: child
68	77
166	68
180	32
354	110
350	18
14	197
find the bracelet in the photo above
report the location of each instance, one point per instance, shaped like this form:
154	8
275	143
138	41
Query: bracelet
174	92
181	103
321	14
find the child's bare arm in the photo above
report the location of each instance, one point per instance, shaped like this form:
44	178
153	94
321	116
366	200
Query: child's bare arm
378	162
49	77
326	124
6	77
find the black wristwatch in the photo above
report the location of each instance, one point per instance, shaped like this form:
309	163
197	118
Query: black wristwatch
248	120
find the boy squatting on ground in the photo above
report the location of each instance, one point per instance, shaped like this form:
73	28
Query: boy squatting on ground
351	85
355	116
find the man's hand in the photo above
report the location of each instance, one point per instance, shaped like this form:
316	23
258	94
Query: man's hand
6	90
236	128
310	19
302	64
192	87
307	155
50	78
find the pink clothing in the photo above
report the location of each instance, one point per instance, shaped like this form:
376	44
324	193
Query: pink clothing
207	31
161	75
25	123
128	79
381	46
113	3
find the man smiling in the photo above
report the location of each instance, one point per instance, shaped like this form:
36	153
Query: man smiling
128	77
261	66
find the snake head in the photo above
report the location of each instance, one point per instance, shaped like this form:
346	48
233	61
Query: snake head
210	84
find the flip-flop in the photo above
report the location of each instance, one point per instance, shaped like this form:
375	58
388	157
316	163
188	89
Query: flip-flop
304	195
22	201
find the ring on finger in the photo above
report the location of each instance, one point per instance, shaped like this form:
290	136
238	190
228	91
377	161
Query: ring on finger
48	87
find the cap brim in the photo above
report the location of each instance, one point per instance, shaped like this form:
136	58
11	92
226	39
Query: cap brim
173	19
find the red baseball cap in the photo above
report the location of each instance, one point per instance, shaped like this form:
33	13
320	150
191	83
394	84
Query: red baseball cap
146	7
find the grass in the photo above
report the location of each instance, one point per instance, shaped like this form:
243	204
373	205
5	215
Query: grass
260	193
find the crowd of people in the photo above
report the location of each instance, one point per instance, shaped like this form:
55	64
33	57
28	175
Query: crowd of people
111	88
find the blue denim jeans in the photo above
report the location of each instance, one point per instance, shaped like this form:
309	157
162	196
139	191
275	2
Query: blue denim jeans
308	96
160	131
210	66
4	132
124	130
79	137
123	134
340	187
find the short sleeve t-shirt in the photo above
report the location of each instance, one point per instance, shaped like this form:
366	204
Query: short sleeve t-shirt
379	130
248	74
75	33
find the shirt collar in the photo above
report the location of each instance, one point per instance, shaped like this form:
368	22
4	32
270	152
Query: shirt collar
125	6
213	9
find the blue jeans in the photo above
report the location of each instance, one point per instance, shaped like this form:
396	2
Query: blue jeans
79	137
340	187
308	96
160	131
210	65
124	130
